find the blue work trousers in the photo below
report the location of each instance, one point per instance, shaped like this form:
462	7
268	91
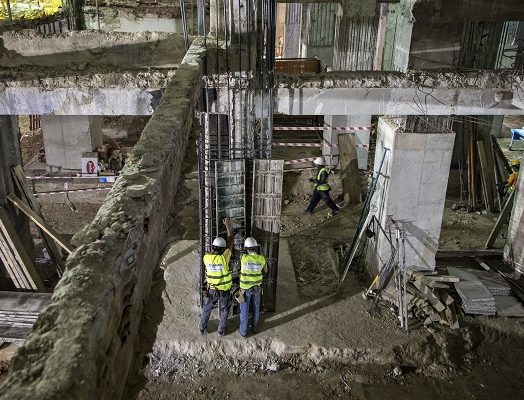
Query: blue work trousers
224	303
251	299
324	195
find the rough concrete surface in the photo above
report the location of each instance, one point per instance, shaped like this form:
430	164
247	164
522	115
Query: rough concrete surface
144	49
295	334
86	344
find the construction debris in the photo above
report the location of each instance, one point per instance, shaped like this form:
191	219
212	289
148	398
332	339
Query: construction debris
18	313
476	299
493	282
428	298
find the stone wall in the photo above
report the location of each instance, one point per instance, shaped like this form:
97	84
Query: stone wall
83	345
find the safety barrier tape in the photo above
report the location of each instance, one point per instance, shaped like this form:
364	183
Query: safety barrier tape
300	160
68	177
71	191
287	144
321	128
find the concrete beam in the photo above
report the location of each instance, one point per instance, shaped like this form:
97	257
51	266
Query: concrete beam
115	49
90	92
393	93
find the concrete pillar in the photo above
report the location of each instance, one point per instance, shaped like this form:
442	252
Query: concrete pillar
292	29
349	169
514	248
318	35
397	40
67	137
411	190
10	156
361	137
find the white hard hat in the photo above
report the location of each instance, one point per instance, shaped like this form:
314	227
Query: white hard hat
219	242
250	242
319	161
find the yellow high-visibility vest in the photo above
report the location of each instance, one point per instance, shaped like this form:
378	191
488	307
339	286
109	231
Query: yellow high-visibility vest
218	275
251	266
324	187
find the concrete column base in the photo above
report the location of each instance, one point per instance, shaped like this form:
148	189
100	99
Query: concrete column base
67	137
412	191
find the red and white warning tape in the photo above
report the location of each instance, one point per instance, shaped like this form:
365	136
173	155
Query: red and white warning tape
286	144
71	191
321	128
66	177
300	160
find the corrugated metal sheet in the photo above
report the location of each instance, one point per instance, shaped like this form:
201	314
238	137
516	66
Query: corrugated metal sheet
355	43
265	220
321	24
293	13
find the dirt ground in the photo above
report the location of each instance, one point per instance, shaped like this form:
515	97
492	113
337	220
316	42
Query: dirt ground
30	141
476	362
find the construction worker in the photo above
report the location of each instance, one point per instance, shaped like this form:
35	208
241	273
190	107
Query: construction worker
219	281
513	178
321	188
251	266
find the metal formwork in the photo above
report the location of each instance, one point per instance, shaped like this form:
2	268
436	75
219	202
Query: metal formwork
265	220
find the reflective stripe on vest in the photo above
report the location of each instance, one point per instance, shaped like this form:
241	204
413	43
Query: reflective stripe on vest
217	272
324	187
251	266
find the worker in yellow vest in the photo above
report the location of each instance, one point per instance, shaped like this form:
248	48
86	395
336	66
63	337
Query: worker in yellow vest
514	176
219	281
321	189
252	265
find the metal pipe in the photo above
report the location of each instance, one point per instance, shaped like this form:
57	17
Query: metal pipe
97	14
184	22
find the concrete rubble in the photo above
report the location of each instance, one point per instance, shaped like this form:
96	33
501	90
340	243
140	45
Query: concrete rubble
87	343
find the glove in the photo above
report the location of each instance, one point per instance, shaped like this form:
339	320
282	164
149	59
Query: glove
311	180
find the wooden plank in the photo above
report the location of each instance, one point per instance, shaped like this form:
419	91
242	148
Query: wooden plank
24	188
19	252
349	168
503	217
10	265
40	222
485	176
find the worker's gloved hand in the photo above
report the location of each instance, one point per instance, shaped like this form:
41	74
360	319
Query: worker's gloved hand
311	179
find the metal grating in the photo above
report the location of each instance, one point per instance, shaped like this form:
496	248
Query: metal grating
265	220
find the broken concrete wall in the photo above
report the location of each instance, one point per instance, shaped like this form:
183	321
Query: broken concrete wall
514	248
84	344
144	49
411	190
120	19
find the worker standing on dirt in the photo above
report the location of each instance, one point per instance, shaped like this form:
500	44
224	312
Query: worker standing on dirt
219	281
321	189
252	265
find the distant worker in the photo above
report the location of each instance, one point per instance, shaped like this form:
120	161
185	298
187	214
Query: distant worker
219	281
321	189
513	178
251	266
505	188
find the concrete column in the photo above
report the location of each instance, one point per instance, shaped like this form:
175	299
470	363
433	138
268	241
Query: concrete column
292	29
318	37
514	248
411	190
361	137
397	41
67	137
10	156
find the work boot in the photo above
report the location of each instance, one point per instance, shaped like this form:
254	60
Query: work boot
238	331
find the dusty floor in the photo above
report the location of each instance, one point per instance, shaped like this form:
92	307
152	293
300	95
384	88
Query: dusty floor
476	362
